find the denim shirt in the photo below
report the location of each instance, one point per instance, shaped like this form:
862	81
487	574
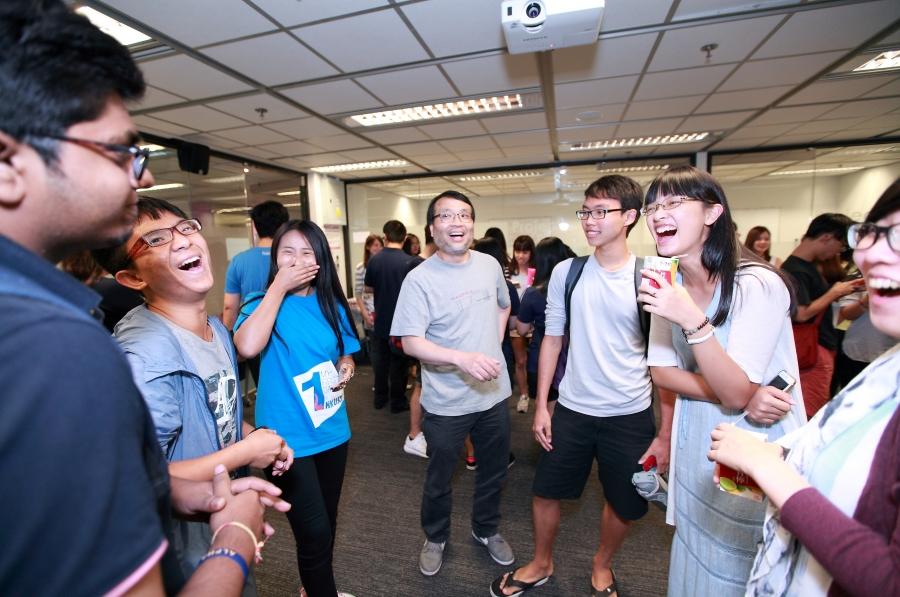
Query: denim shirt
171	385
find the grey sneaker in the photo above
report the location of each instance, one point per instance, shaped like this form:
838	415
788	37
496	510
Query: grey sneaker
497	546
431	557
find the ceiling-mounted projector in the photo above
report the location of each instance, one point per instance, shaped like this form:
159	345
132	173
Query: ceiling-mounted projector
538	25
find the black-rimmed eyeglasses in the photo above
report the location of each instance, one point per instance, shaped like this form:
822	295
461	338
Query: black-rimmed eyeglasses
163	236
595	214
136	154
865	235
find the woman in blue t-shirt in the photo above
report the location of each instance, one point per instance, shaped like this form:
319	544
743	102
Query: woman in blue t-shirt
301	327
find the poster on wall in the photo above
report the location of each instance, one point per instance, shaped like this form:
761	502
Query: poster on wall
335	236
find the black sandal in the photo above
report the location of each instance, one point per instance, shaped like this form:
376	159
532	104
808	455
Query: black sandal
520	585
608	590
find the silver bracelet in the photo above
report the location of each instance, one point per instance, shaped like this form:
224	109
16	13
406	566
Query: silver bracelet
703	338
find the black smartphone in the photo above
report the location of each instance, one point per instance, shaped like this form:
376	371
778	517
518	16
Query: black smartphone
783	381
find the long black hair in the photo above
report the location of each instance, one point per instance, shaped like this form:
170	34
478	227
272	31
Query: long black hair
548	253
329	293
522	243
722	254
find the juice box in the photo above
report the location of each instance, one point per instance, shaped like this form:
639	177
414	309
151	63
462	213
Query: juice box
737	483
666	267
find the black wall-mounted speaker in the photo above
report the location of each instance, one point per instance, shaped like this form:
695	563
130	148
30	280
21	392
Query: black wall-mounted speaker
193	157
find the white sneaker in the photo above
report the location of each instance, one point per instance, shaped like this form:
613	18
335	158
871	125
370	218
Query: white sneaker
416	446
522	405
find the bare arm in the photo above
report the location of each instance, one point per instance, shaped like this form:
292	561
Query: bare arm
854	310
476	364
682	382
260	450
661	444
840	289
230	309
503	320
551	347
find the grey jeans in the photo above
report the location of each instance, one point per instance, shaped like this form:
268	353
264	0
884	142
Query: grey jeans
445	436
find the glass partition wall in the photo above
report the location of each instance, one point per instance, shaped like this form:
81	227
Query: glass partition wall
221	200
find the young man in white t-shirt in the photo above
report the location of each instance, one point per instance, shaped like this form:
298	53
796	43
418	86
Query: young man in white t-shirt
604	409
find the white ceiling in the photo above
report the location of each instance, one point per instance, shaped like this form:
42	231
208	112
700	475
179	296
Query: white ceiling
775	78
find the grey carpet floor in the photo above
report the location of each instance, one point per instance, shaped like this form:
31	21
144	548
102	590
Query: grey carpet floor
379	536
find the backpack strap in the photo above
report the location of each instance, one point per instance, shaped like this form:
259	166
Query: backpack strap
643	316
571	280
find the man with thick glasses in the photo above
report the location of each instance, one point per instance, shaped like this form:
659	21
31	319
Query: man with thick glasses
604	408
183	361
89	503
825	239
451	314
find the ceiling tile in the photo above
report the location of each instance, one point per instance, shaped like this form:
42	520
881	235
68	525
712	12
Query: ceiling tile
469	144
245	107
754	131
861	108
482	154
199	117
517	122
681	82
153	98
531	153
212	140
448	130
608	58
663	126
781	71
589	115
409	85
148	124
378	39
253	135
530	138
594	93
305	128
676	106
338	142
271	59
798	114
858	133
297	13
323	159
197	22
439	23
827	126
634	13
493	73
585	134
831	91
742	100
694	9
713	122
291	148
333	97
680	48
400	135
189	78
419	149
792	140
369	155
256	152
892	88
830	28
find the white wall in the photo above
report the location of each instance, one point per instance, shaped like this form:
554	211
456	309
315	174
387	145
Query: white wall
858	191
328	209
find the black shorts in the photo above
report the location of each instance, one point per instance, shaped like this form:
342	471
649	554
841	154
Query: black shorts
617	443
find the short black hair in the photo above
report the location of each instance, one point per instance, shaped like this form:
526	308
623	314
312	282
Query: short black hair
267	217
450	195
57	69
115	259
394	231
829	223
626	190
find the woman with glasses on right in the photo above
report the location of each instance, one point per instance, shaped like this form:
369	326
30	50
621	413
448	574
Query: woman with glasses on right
718	335
833	526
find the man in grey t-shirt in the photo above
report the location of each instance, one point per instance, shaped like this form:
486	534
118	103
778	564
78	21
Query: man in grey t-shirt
452	313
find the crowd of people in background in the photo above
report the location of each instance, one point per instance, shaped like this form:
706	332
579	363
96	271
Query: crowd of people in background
784	372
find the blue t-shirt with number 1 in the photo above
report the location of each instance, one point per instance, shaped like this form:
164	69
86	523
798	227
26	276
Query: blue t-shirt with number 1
297	372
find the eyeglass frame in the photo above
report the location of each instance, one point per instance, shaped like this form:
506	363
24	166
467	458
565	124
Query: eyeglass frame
589	213
649	210
853	240
454	215
139	155
142	241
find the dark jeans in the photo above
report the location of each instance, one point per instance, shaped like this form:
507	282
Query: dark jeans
445	436
390	371
313	487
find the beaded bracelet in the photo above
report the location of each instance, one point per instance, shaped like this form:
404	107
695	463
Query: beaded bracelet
702	338
688	333
224	552
257	545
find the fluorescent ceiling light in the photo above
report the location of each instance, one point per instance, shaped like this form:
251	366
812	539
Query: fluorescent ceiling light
640	141
161	187
634	169
152	147
122	33
363	166
463	107
287	193
816	171
883	61
501	176
225	179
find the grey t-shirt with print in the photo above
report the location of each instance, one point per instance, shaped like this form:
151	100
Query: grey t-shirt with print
214	366
456	306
